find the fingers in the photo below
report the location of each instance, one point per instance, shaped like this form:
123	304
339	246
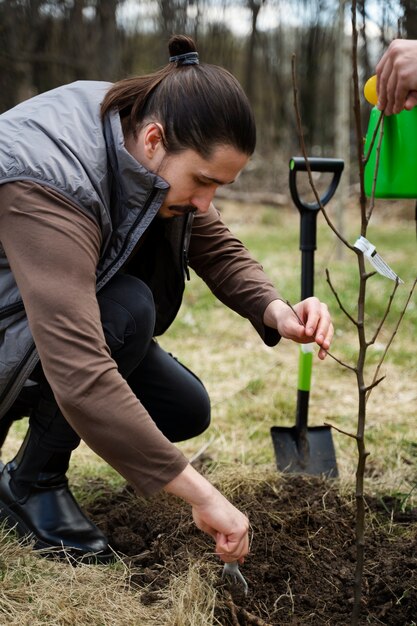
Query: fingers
397	91
213	513
323	330
396	77
318	325
383	70
230	550
227	525
411	100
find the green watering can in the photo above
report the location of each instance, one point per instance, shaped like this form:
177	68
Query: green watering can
397	167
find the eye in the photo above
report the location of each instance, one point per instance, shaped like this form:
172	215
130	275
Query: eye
202	182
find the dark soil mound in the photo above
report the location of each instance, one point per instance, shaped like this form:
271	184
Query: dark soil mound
302	559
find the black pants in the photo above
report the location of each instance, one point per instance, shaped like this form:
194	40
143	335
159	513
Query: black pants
173	396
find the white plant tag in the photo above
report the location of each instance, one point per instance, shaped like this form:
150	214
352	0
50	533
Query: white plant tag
377	261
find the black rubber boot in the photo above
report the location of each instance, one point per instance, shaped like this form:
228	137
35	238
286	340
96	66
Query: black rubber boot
35	499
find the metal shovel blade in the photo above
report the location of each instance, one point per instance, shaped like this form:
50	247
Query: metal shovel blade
309	451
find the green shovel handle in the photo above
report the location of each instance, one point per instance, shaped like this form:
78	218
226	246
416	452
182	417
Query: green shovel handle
305	366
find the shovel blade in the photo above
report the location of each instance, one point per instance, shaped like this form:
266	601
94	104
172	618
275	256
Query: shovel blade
310	452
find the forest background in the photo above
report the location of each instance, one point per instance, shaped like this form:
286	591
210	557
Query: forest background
46	43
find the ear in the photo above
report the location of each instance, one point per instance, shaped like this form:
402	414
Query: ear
153	140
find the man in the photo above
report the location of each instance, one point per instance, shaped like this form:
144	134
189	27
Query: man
105	197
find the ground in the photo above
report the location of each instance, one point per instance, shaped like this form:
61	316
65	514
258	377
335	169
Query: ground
302	558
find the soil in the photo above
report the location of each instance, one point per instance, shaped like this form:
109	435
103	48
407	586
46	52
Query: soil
301	565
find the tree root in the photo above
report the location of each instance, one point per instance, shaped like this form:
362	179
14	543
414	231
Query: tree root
248	618
252	619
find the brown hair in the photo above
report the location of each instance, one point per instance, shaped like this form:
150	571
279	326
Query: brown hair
199	105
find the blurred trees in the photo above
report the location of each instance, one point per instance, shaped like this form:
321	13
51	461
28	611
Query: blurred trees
45	43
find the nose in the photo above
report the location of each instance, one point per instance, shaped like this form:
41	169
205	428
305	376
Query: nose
203	199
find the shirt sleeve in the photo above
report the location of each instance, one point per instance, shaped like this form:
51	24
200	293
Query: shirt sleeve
231	273
53	250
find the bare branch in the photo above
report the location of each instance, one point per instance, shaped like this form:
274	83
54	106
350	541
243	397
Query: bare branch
200	453
378	154
349	367
358	121
345	311
303	150
374	384
384	317
293	310
371	145
393	335
343	432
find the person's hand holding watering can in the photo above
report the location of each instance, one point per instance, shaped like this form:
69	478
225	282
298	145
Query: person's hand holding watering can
396	79
307	321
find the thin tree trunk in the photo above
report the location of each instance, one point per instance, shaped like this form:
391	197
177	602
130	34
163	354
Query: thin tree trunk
342	122
255	7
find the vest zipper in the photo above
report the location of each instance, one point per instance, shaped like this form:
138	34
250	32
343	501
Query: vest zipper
186	243
11	309
12	390
101	282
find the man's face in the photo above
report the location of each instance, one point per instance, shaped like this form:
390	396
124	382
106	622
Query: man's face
193	179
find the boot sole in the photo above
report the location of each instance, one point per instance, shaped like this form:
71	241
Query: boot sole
63	553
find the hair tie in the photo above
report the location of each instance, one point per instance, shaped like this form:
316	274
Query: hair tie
188	58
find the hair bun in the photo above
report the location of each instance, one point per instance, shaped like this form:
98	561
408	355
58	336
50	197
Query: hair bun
181	44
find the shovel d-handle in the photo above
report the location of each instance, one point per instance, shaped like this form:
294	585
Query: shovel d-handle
317	164
308	212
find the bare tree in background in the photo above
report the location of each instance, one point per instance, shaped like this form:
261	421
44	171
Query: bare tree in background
173	16
108	48
249	82
409	21
77	33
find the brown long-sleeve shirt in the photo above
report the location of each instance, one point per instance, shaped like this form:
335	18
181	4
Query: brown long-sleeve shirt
53	250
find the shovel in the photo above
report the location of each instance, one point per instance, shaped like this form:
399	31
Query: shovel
301	448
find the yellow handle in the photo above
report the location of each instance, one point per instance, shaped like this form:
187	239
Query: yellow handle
369	91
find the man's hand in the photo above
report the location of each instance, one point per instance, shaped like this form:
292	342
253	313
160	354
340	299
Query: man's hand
306	322
226	524
213	514
397	77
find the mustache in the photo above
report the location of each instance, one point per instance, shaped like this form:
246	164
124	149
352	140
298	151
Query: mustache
183	208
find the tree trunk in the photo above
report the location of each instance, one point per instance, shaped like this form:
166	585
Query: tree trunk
342	121
410	18
255	7
108	49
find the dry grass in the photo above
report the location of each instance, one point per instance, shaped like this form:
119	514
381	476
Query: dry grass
36	591
190	599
